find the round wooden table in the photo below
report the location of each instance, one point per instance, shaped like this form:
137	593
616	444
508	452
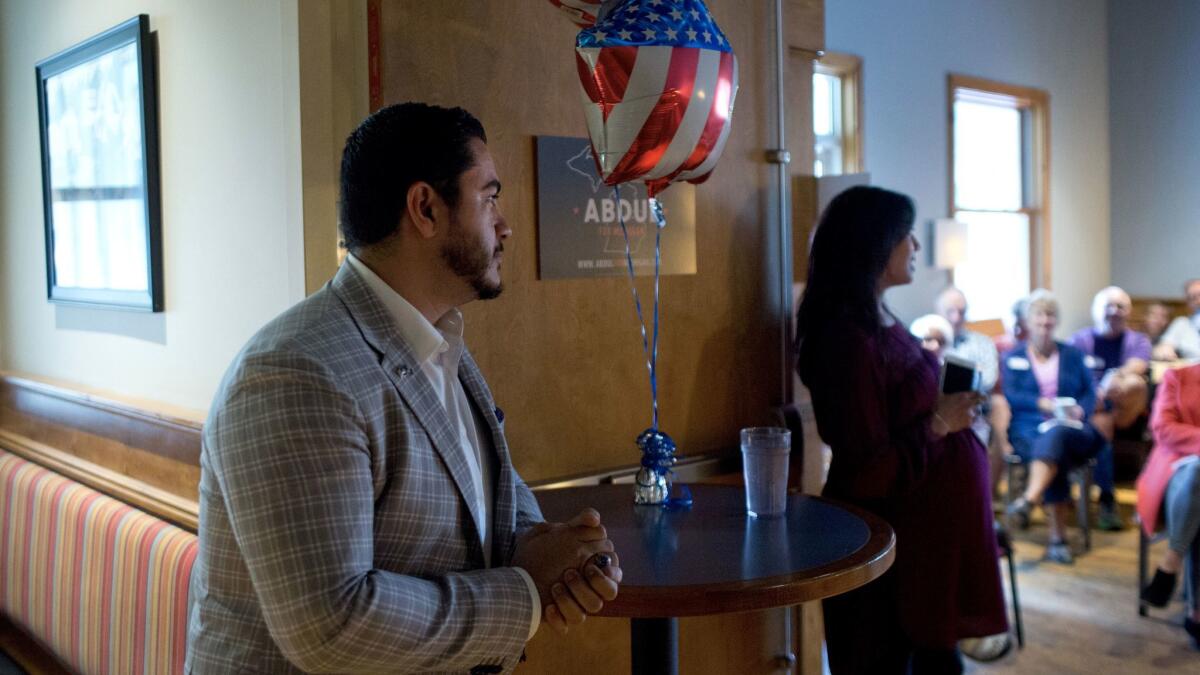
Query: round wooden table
714	558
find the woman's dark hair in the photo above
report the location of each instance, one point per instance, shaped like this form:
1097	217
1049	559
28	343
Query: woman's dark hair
854	241
392	149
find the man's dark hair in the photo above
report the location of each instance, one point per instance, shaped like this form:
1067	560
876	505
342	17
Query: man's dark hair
393	148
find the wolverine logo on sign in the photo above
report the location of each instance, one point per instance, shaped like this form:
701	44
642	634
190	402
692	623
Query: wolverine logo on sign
579	218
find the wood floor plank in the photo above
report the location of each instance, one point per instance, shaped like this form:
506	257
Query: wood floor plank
1083	618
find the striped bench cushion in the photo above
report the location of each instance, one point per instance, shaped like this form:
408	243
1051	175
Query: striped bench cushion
102	584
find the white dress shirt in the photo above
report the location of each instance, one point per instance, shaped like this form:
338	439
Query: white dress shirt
980	349
1184	335
438	349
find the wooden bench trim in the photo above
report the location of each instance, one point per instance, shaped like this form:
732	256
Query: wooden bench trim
1137	319
172	508
169	436
990	327
157	447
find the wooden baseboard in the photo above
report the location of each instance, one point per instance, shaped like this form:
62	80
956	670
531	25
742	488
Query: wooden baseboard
690	469
27	651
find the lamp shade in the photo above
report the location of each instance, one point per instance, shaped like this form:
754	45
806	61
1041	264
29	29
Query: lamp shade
950	243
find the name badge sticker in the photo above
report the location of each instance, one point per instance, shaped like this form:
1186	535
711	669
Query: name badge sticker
1018	363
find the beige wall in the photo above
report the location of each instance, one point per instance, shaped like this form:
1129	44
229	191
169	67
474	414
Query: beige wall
333	100
1059	47
232	215
1152	127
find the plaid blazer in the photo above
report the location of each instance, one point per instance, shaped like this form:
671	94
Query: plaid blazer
336	532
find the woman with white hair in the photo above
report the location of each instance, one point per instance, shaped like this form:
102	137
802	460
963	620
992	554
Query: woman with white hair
1119	359
934	332
1051	395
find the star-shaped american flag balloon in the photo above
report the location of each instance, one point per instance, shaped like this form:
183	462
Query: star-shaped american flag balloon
658	81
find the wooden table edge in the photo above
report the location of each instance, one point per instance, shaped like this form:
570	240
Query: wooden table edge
863	566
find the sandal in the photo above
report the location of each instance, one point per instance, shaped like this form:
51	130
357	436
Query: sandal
1110	518
1018	513
1059	552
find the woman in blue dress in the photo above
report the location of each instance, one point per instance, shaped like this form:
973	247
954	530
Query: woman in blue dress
1050	391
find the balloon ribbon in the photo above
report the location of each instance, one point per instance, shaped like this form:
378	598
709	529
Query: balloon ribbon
658	449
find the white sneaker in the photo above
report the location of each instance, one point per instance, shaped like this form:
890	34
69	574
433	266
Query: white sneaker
986	648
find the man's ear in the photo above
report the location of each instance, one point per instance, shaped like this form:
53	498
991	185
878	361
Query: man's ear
426	209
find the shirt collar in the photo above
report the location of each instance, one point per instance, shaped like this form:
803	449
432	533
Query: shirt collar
425	339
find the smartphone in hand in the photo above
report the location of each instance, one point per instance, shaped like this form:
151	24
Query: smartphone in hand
958	375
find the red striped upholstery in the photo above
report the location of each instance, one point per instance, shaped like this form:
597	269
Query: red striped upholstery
103	584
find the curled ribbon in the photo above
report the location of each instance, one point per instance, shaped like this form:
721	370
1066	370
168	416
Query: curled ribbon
658	449
658	456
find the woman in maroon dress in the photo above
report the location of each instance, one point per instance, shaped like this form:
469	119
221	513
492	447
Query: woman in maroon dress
900	450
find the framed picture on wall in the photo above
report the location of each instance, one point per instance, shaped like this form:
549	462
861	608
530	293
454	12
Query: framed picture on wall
97	104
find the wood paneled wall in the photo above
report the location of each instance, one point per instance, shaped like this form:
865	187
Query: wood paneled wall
564	357
1177	306
723	644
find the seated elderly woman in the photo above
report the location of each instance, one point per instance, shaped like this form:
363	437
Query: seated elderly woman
1051	395
934	332
1169	489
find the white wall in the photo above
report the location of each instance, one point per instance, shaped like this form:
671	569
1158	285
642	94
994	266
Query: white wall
1156	165
233	240
1057	45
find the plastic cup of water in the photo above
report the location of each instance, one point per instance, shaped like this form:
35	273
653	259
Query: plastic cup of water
765	453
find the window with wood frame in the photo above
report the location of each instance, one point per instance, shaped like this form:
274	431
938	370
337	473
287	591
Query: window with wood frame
837	115
999	180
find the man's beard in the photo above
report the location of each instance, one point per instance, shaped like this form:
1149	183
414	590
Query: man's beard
471	262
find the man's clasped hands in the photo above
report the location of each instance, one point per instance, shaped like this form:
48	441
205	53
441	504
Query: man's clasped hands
562	559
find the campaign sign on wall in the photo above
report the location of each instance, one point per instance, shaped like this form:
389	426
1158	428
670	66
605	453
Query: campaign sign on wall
579	229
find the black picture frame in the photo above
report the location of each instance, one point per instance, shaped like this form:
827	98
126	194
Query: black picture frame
98	119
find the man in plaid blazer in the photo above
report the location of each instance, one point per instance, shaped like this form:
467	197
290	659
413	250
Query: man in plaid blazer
359	511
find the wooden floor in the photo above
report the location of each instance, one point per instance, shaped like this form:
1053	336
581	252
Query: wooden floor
1083	618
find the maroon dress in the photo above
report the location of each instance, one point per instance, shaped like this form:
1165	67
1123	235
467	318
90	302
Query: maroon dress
873	396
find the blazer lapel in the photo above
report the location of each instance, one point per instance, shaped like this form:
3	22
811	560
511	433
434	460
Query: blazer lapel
402	369
504	512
